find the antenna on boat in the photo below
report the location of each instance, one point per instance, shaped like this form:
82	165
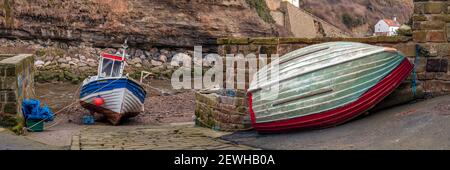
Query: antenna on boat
124	46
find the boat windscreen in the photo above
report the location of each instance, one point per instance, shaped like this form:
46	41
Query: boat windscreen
116	69
106	67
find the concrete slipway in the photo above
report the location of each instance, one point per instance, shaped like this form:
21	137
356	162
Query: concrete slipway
421	125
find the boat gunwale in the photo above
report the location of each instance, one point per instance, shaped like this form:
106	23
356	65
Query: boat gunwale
136	84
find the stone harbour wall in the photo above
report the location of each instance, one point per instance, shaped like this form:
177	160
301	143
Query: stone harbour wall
58	61
431	30
221	112
16	84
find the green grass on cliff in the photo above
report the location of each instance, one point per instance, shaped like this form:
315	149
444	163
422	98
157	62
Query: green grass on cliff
7	7
261	8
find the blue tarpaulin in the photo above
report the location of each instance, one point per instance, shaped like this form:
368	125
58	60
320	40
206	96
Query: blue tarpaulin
32	110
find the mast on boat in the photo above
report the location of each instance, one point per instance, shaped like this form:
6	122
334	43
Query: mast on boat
124	46
114	60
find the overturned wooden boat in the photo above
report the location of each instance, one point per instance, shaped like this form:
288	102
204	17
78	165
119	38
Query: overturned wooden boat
110	92
324	85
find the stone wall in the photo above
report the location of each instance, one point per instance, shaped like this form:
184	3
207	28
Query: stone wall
428	49
431	30
57	61
306	28
76	63
16	84
221	112
300	22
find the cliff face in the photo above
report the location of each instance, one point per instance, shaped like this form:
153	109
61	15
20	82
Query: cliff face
178	23
359	16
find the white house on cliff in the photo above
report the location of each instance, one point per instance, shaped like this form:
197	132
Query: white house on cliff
387	27
296	3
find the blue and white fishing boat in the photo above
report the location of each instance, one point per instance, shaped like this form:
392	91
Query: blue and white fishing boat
111	93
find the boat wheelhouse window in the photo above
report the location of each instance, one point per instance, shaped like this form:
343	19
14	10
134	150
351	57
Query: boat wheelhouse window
111	68
106	67
116	68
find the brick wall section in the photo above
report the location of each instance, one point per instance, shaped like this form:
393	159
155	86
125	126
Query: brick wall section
431	29
16	84
221	112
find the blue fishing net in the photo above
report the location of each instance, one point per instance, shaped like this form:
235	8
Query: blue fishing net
32	110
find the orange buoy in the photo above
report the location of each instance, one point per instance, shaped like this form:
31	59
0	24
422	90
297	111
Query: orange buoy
99	101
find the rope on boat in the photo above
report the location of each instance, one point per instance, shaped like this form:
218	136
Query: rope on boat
59	111
74	100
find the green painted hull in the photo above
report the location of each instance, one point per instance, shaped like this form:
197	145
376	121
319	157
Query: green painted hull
319	78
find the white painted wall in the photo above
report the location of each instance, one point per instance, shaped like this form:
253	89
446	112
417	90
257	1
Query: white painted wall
393	31
296	3
383	27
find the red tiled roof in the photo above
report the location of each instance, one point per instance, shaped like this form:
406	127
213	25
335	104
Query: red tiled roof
392	23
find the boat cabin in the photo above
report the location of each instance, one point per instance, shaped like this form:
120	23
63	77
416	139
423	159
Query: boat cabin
111	65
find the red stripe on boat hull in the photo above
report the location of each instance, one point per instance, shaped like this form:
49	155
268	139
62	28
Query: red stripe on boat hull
342	114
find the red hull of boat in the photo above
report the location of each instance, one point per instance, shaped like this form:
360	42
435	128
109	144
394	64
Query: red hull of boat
342	114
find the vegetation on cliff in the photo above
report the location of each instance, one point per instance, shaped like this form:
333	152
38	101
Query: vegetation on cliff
6	6
351	22
261	8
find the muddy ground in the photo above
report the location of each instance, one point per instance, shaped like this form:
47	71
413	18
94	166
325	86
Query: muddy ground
163	105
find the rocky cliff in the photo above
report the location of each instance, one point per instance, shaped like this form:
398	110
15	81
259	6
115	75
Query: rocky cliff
359	16
146	23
